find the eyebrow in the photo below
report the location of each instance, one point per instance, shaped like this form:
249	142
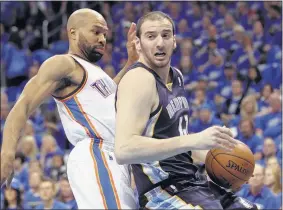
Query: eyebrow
100	27
165	30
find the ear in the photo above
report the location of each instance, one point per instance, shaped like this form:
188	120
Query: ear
138	44
73	34
174	42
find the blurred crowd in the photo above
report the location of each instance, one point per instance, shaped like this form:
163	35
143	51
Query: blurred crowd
229	53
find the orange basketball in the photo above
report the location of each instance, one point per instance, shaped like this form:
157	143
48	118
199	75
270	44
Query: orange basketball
230	169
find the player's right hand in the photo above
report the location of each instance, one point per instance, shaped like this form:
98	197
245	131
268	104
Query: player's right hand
216	137
133	55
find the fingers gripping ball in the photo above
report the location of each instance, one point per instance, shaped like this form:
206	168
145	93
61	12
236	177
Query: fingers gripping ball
230	169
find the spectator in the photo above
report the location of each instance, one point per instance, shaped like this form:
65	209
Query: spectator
214	66
253	81
58	167
200	99
47	191
27	146
271	123
219	14
12	196
66	195
54	127
248	110
206	119
47	150
245	56
31	197
34	166
259	39
272	179
183	30
272	162
195	23
233	104
229	24
256	192
20	171
266	91
243	15
247	135
206	23
225	85
269	150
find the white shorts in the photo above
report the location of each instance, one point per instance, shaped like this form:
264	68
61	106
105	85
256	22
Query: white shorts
96	179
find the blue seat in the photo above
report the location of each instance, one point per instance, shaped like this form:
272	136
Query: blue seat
59	47
41	55
13	93
17	63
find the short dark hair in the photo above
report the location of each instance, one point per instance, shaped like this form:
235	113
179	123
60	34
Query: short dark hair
155	15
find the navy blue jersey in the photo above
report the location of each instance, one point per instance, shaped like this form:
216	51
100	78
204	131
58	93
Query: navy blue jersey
170	119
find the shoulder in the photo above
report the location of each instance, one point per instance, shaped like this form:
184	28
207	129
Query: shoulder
58	65
137	77
64	61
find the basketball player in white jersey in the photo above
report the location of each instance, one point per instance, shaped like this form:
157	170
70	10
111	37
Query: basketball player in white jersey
84	94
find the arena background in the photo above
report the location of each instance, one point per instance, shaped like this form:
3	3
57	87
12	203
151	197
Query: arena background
229	53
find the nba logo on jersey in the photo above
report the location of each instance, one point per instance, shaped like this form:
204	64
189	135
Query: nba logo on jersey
104	87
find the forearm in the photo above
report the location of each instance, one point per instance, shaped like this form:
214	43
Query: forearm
144	149
120	75
14	125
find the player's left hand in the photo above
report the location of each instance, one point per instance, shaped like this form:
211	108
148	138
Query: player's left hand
133	55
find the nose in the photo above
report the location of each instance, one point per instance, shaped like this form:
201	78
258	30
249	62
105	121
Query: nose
159	42
102	39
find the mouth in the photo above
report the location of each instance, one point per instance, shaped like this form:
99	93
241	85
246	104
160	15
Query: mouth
99	49
160	54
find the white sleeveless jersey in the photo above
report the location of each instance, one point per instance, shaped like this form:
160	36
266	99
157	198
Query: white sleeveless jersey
89	112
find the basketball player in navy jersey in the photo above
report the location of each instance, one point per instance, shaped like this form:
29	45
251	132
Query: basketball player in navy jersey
151	128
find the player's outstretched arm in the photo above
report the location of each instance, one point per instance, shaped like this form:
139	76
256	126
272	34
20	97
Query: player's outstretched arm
136	99
34	93
132	53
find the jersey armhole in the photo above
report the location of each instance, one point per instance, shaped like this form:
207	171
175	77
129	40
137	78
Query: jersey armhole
80	86
155	111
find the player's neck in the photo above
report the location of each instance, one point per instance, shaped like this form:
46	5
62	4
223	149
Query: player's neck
163	72
77	53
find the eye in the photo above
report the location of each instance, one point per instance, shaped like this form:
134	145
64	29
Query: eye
166	35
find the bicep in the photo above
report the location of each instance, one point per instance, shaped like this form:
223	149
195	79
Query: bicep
134	105
43	84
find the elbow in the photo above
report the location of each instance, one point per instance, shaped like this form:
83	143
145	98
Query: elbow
120	155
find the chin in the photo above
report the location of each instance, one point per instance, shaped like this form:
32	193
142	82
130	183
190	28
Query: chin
161	64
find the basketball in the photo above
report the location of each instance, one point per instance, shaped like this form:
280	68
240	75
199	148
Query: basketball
230	169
